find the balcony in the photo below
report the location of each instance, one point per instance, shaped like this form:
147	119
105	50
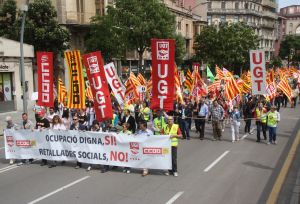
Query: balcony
233	11
269	4
270	14
268	25
77	18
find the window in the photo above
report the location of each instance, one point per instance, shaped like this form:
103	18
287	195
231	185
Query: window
223	5
223	19
246	5
209	20
179	25
209	5
187	29
236	19
236	6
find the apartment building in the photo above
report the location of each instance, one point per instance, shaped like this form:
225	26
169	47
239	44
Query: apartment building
259	14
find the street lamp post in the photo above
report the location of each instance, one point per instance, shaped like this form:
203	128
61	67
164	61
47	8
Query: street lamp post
22	70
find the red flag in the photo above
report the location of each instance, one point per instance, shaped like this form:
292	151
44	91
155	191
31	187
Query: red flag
96	75
163	57
45	79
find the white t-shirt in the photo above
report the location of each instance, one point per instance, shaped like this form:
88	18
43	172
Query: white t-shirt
59	126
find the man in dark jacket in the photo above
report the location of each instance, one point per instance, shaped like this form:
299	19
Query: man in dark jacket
185	113
128	118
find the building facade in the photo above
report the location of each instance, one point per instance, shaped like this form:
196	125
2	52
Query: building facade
259	14
11	95
288	24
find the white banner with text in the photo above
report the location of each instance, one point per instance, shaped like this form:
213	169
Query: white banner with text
106	148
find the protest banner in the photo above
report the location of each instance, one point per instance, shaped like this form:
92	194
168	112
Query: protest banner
115	83
76	90
163	75
258	72
136	151
45	79
95	72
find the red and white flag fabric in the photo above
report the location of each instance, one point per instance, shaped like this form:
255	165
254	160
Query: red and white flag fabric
45	79
96	75
115	83
163	62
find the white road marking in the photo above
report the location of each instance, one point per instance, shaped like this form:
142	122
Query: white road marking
175	197
246	135
216	161
58	190
8	168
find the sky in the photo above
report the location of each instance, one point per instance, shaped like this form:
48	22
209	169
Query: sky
284	3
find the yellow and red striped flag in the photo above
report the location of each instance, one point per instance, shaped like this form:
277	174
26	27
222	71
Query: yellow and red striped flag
131	92
188	83
284	86
141	79
62	91
134	79
88	93
219	73
77	90
178	92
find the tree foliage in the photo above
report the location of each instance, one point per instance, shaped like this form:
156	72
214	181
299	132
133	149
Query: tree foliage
289	48
132	23
41	27
180	49
8	11
227	45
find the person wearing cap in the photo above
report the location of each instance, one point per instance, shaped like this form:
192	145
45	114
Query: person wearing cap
235	123
10	125
174	131
273	118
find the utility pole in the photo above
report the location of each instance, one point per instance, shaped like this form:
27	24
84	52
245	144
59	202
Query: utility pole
22	69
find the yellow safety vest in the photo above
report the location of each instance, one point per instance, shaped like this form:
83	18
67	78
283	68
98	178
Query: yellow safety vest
159	123
172	131
261	117
146	113
272	119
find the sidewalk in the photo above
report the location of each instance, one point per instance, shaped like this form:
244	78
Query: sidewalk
17	118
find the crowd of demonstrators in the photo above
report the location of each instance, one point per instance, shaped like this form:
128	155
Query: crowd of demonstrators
141	120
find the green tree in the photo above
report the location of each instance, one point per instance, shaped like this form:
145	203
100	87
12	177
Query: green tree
276	62
227	45
180	49
8	11
289	49
134	23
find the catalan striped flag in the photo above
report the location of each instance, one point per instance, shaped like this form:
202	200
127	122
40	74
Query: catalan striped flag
231	89
141	79
131	92
88	93
77	90
134	79
178	91
219	73
188	83
62	91
149	88
284	86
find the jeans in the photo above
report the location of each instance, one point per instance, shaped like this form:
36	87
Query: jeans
272	134
201	125
184	125
174	159
248	125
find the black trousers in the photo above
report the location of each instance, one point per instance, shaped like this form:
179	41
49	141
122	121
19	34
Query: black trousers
248	125
201	126
174	159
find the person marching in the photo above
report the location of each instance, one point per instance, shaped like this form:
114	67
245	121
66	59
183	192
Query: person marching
235	123
272	120
158	123
217	115
174	131
128	132
202	116
261	119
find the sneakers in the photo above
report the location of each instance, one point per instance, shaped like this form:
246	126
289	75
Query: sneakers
20	164
11	161
233	141
127	171
175	174
214	139
145	173
167	174
268	143
275	142
89	168
77	167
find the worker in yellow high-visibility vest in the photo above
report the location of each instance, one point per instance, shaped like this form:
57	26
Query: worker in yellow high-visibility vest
174	131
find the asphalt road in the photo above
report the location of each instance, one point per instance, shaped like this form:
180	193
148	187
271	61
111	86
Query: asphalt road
209	172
